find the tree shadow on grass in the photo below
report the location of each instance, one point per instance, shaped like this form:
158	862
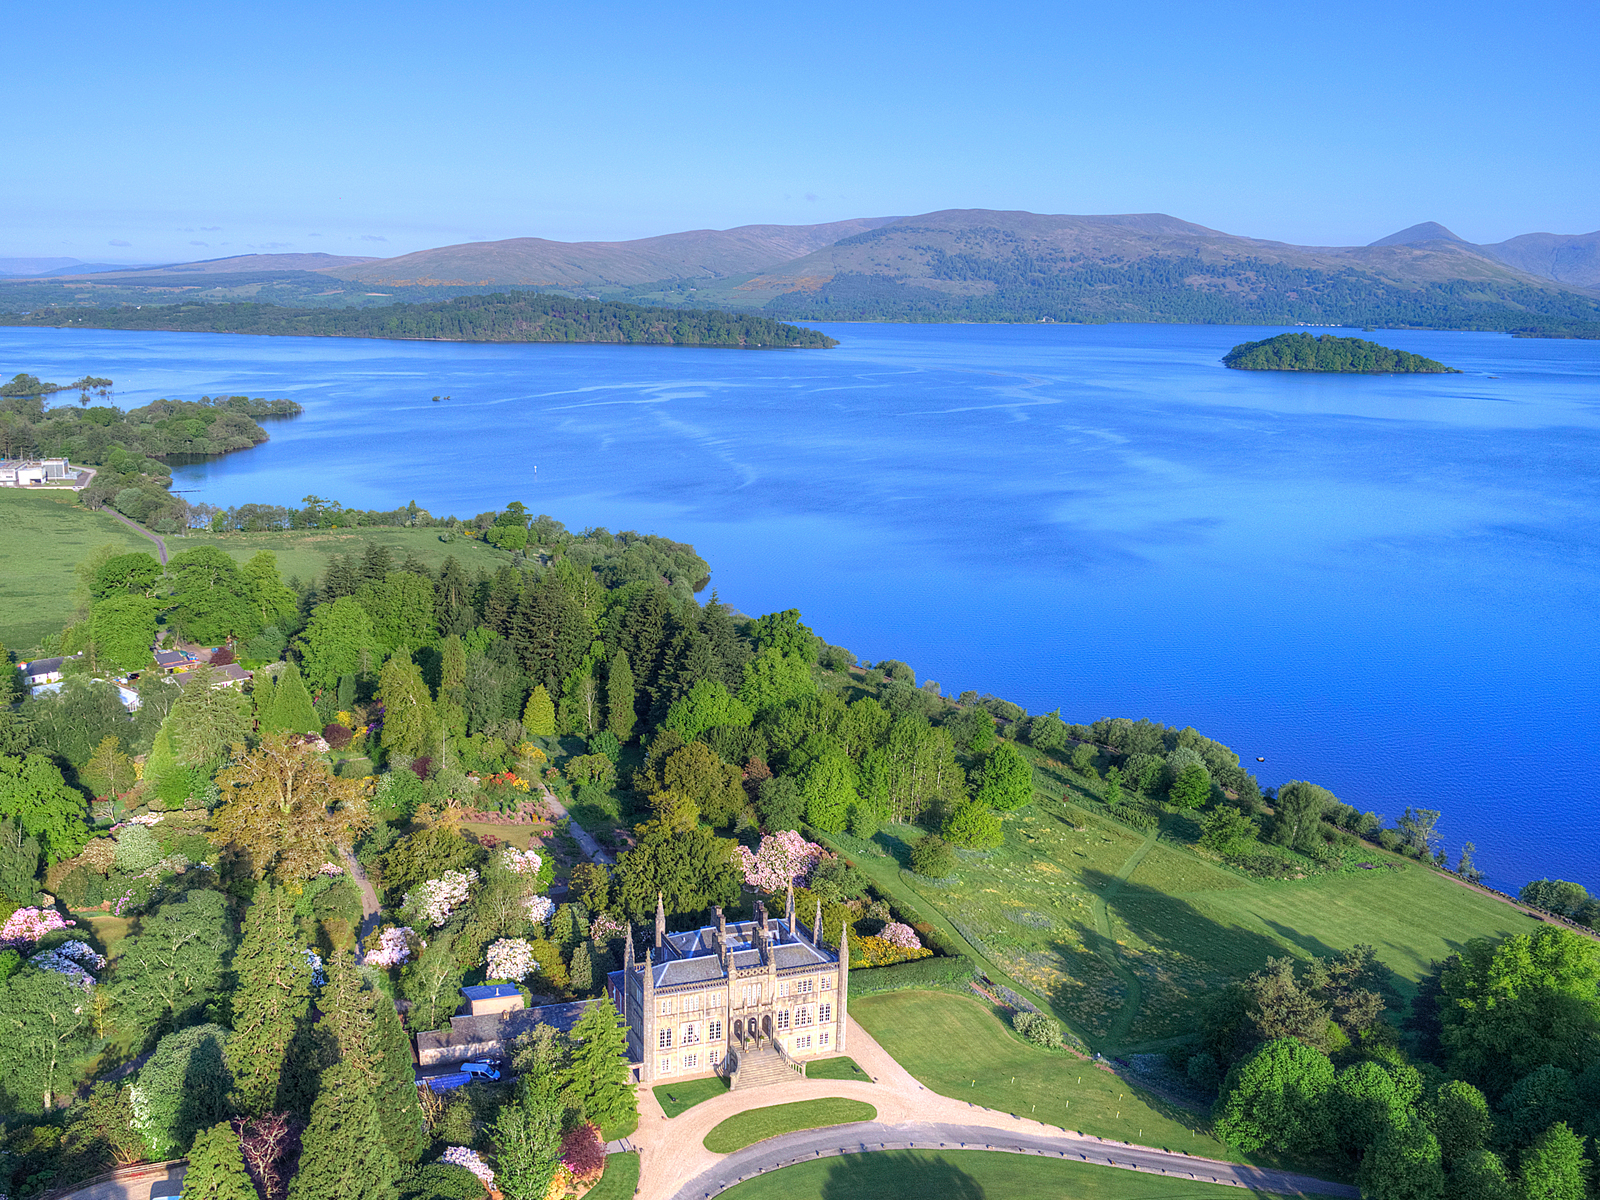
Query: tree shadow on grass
898	1173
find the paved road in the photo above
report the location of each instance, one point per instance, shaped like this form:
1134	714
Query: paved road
161	546
871	1136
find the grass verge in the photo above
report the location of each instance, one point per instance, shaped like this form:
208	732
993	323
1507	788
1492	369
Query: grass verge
967	1175
620	1180
678	1098
836	1068
758	1124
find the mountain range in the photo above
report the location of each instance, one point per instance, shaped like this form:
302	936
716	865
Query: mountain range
957	264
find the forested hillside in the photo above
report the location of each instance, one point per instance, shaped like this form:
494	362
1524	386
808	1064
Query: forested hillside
520	317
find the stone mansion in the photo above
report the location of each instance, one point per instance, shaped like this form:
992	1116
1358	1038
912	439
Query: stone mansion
752	989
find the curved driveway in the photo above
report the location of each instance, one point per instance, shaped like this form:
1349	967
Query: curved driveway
675	1165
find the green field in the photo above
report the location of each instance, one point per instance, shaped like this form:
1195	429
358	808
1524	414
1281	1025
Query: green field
758	1124
836	1068
956	1046
967	1175
678	1098
303	553
620	1181
43	537
1123	931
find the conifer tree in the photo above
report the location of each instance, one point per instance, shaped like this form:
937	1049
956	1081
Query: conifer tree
271	1003
216	1167
527	1136
347	1017
399	1114
597	1070
10	679
539	717
452	701
343	1152
263	695
409	725
291	710
581	975
620	716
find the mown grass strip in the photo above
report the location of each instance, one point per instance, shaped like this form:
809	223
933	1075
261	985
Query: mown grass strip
759	1124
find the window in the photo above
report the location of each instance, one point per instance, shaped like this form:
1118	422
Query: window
663	1007
803	986
714	1058
824	1014
691	1036
827	983
691	1062
752	993
666	1066
822	1038
691	1003
664	1039
802	1017
783	990
803	1043
783	1019
713	1031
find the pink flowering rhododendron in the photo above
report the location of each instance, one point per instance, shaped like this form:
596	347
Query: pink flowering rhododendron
523	862
460	1156
540	908
782	859
28	925
435	900
393	948
605	927
900	935
510	958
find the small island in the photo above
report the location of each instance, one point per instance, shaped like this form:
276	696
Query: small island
1349	356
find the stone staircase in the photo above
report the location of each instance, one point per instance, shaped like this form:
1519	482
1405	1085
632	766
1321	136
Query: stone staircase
759	1068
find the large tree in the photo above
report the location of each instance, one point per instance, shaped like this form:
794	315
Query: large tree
1274	1099
136	574
1403	1163
399	1114
527	1137
181	1089
691	867
1527	1001
216	1168
33	792
773	679
46	1031
289	709
271	1003
343	1152
207	720
122	629
620	715
401	608
597	1073
211	597
1554	1168
274	604
409	724
1005	781
286	811
174	965
338	640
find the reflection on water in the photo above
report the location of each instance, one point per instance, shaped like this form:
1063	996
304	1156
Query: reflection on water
1383	584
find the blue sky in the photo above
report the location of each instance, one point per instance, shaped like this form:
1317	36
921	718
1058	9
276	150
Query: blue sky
145	132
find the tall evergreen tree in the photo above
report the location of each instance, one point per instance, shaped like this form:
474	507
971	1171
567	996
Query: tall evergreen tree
539	717
527	1136
343	1152
642	633
581	974
452	600
291	710
216	1168
620	716
376	562
270	1004
597	1069
550	631
409	724
340	579
398	1111
721	630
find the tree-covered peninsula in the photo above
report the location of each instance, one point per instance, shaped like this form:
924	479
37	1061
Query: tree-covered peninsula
502	317
1348	356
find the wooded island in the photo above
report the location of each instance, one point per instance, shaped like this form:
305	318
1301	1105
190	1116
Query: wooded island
1303	352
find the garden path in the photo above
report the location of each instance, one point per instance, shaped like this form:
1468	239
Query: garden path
675	1165
369	898
1107	944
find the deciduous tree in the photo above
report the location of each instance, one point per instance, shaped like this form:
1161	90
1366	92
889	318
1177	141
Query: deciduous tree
1005	782
33	792
338	640
174	965
182	1089
46	1031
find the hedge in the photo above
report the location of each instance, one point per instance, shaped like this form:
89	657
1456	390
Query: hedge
950	974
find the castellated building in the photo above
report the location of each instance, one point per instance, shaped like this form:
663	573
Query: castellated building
751	1000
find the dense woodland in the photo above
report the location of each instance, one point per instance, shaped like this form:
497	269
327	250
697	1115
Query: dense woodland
398	713
1303	352
499	317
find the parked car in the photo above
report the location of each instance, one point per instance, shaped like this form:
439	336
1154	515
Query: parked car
480	1070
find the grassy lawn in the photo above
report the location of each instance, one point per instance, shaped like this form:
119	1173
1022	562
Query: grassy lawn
759	1124
305	552
676	1098
1051	906
956	1046
619	1181
966	1175
836	1068
43	537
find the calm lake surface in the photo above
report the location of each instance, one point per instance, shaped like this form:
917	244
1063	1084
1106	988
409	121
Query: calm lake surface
1384	585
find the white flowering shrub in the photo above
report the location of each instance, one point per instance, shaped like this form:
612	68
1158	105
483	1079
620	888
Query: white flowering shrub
434	901
460	1156
540	908
523	862
511	959
393	948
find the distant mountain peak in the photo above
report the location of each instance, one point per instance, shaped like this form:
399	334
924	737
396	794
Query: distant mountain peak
1428	231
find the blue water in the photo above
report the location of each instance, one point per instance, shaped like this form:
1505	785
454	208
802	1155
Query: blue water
1385	585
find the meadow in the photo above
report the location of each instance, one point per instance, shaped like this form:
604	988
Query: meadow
967	1175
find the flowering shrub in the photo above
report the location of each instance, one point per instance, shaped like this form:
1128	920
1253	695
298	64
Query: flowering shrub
314	961
540	908
876	952
393	948
782	859
141	819
435	900
583	1153
604	927
532	753
337	735
523	862
73	959
330	869
900	935
510	958
28	925
460	1156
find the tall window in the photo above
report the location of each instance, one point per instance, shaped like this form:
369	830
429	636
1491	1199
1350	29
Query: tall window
714	1058
664	1039
691	1036
822	1038
803	986
666	1065
802	1017
783	990
783	1019
663	1007
691	1003
824	1014
691	1062
827	983
752	993
713	1031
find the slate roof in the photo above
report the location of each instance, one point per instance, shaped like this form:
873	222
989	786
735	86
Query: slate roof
501	1027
